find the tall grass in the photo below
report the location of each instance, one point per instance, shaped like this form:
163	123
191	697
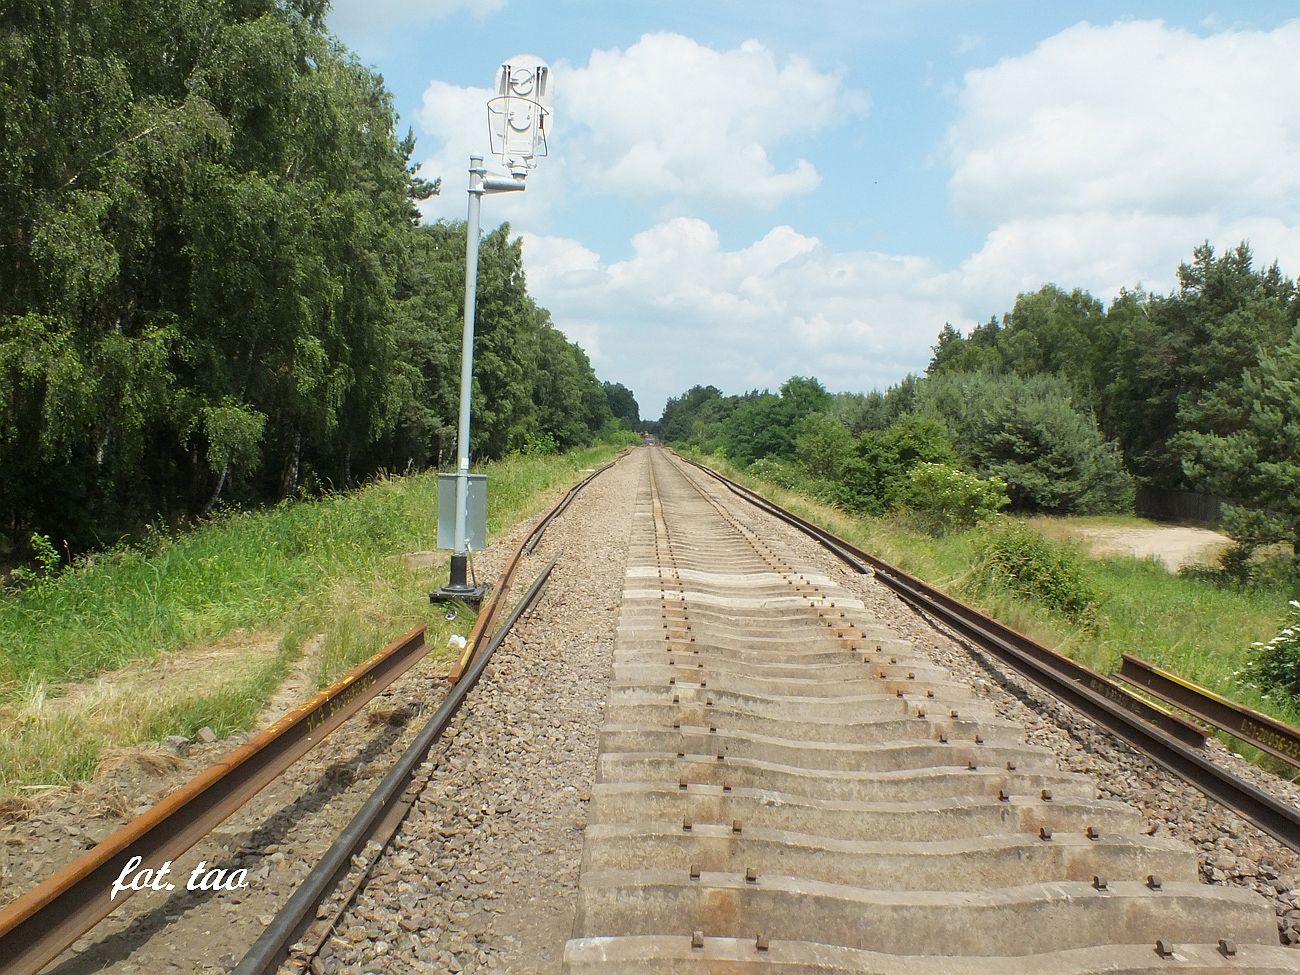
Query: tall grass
242	569
327	568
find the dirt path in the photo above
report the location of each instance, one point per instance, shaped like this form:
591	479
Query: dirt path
1174	545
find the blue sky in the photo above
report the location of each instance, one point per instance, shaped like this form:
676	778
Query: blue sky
742	191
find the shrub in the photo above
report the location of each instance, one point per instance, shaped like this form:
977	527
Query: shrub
1254	560
1275	666
823	446
855	490
1027	430
1018	559
877	480
46	557
1250	531
539	444
943	498
779	472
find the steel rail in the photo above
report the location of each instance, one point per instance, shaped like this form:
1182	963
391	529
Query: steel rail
1042	666
1260	730
39	925
491	609
383	810
383	822
535	536
42	923
863	562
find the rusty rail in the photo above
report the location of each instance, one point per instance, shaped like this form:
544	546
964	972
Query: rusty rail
42	923
384	811
491	609
377	820
1079	687
1265	733
1019	645
38	926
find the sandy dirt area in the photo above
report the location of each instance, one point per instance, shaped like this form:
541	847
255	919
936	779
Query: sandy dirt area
1174	545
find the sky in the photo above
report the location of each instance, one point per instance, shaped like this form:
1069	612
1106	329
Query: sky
738	191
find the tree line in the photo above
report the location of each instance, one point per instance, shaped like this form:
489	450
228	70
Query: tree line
1068	402
214	285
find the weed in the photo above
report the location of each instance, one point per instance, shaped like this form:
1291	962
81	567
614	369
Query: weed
1017	558
47	560
328	567
944	498
1274	667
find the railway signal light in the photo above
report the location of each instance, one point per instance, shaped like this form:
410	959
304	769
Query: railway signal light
519	117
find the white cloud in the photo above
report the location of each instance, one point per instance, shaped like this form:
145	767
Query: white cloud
1135	116
667	118
1106	153
671	117
359	20
1103	252
683	310
1097	160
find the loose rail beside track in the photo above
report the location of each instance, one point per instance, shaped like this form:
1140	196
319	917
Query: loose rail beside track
1269	734
1167	740
39	925
378	818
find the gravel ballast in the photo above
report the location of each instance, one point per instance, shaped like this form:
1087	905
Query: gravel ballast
483	873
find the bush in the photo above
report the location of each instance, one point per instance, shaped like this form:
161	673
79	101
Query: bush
1275	666
1250	531
1018	559
823	446
878	478
46	557
616	433
1254	560
943	498
539	444
779	472
855	490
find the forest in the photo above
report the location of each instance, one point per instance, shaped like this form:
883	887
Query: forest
1063	405
214	285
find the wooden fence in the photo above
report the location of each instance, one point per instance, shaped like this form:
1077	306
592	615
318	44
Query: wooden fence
1165	505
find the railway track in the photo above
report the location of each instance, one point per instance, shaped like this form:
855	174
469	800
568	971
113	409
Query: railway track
787	781
786	784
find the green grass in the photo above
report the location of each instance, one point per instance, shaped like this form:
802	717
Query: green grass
227	709
1188	626
326	569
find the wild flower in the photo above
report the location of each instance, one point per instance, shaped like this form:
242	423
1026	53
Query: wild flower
1274	666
